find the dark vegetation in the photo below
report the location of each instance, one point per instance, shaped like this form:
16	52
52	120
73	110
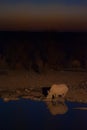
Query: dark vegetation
45	90
38	50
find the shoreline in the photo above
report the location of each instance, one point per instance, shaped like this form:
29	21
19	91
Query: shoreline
29	85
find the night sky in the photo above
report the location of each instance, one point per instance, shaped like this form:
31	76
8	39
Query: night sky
43	15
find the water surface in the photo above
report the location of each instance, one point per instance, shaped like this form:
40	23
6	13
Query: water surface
35	115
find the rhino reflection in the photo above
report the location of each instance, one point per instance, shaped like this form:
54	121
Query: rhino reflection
56	108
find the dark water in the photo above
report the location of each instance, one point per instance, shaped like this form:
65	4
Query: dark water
36	115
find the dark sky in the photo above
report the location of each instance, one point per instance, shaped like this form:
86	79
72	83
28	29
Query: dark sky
43	14
67	2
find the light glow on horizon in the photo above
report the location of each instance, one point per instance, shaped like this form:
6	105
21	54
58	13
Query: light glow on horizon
34	16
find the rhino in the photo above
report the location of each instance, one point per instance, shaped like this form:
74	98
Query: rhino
57	90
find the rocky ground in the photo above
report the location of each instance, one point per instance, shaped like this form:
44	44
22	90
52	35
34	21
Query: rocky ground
28	85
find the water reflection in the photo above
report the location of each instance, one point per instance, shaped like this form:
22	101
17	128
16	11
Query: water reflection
34	115
56	107
6	99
